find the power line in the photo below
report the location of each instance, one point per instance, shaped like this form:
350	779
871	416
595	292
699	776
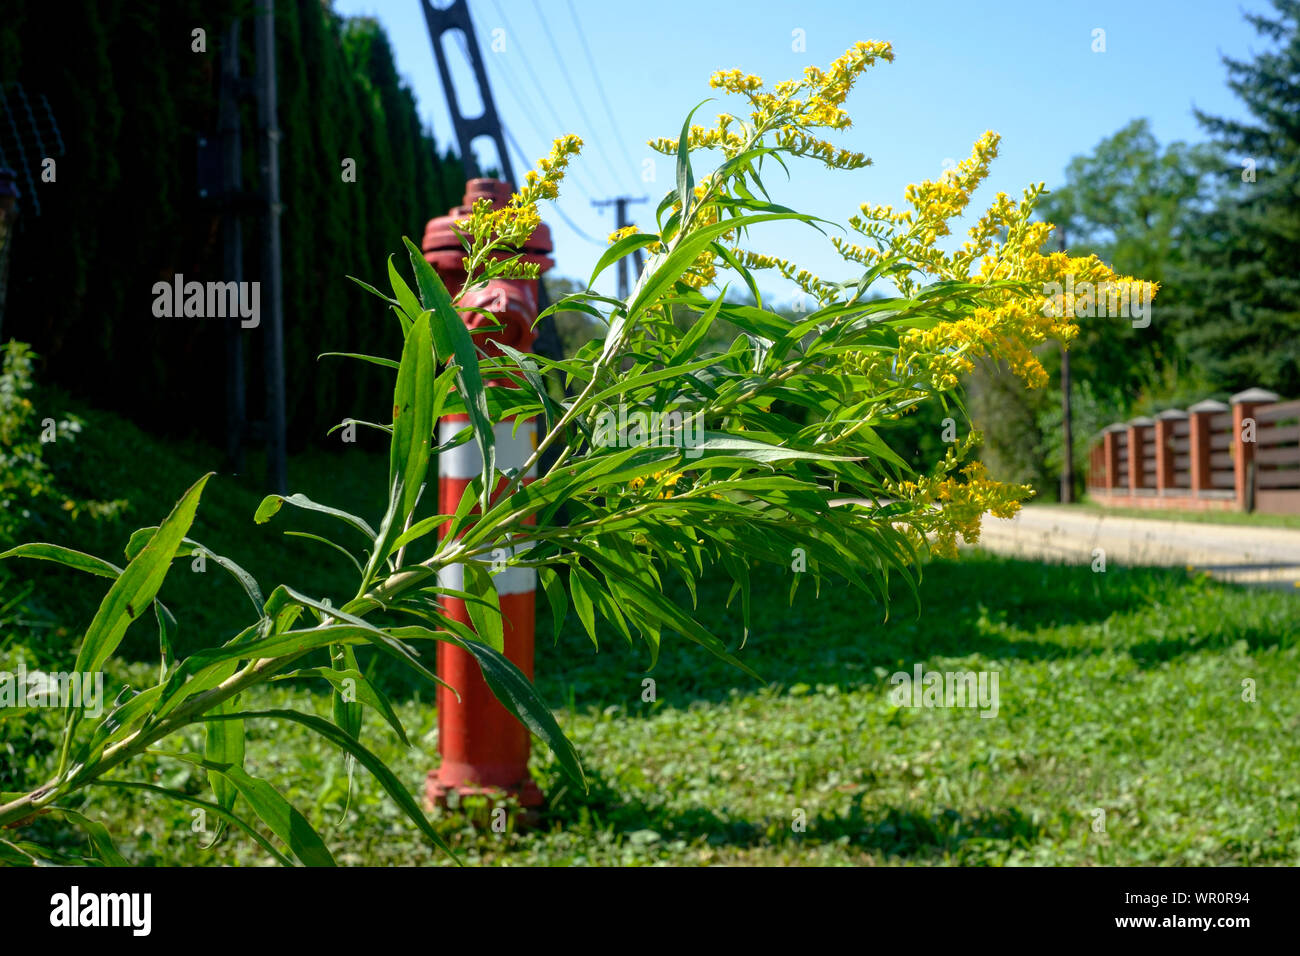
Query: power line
600	87
521	99
573	90
560	125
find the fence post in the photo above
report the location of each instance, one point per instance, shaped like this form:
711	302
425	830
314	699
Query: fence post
1243	452
1164	453
1199	434
1137	433
1110	449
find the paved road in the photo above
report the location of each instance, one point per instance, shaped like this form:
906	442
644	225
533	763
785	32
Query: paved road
1232	552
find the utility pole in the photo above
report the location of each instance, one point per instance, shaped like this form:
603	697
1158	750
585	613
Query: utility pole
620	204
268	149
232	241
1067	456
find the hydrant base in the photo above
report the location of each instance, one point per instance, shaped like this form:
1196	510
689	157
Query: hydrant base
436	793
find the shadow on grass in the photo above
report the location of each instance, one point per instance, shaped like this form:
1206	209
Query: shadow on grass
891	831
997	608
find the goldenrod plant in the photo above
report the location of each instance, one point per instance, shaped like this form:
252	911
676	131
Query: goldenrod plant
776	450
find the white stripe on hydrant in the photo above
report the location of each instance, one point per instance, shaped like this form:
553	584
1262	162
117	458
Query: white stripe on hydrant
507	581
465	462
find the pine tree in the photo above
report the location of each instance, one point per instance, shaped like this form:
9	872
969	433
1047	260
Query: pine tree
1246	255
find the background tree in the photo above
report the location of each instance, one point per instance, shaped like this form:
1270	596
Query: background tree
1245	317
1131	202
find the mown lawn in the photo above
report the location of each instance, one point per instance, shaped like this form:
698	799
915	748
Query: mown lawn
1120	692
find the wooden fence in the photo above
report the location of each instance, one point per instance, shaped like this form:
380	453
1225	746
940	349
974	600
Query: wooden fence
1244	456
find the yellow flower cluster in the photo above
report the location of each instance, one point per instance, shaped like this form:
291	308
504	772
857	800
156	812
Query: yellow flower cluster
1016	312
701	137
832	87
670	480
791	107
817	288
801	144
622	233
938	201
945	506
518	219
735	81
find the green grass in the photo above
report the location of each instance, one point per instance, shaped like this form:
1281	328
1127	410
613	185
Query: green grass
1120	692
1254	518
114	459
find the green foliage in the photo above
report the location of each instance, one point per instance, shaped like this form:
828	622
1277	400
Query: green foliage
1216	225
1132	203
1244	329
31	497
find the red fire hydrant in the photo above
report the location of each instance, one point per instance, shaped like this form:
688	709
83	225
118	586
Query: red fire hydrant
484	749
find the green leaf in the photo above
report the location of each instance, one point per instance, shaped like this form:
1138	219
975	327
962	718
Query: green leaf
452	339
167	629
392	786
67	557
100	840
672	266
366	693
372	290
337	547
582	602
271	505
484	614
520	697
280	816
138	584
685	178
528	366
625	246
691	340
718	444
386	429
413	420
223	744
372	359
407	306
727	256
347	713
206	805
555	595
189	548
419	530
382	639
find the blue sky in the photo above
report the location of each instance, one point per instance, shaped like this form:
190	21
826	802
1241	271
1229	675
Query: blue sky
1025	68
